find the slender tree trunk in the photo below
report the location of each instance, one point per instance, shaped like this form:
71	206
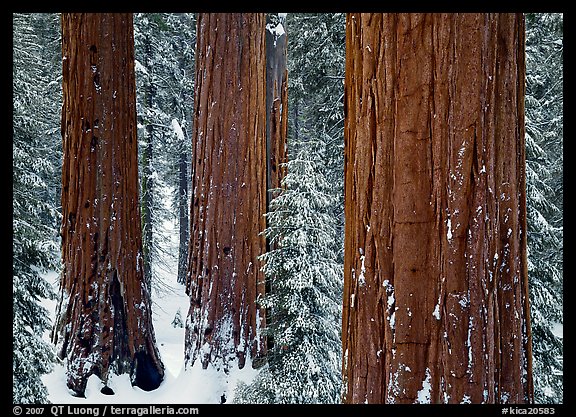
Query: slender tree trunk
435	293
184	62
296	120
183	214
147	161
276	107
105	321
229	197
276	121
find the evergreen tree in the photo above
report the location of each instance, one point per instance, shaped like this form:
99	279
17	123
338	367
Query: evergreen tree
35	122
164	68
544	189
316	96
305	289
316	74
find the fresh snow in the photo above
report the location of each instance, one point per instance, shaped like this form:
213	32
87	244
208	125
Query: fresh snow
192	386
424	393
180	386
361	278
436	312
177	130
558	330
277	30
280	30
139	67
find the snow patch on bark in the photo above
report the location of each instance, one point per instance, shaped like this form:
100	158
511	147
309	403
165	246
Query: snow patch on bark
277	31
393	320
361	279
436	312
469	344
424	393
390	301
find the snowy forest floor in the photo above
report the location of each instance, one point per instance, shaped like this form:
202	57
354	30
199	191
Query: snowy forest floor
180	386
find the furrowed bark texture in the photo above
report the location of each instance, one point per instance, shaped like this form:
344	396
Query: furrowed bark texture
276	109
435	293
229	191
105	321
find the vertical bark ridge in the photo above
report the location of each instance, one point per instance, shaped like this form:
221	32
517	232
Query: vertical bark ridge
435	293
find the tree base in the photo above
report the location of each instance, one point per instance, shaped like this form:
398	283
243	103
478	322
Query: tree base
147	375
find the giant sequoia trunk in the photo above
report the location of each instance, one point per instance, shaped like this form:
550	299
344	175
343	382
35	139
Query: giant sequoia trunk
229	191
105	319
435	293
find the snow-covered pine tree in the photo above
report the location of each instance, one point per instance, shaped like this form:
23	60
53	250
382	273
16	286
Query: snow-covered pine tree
35	122
316	67
183	43
544	191
165	76
305	290
315	95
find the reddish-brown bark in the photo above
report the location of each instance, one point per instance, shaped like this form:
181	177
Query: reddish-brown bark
435	293
105	319
229	191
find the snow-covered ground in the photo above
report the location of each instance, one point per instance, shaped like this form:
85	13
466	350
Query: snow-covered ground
191	386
